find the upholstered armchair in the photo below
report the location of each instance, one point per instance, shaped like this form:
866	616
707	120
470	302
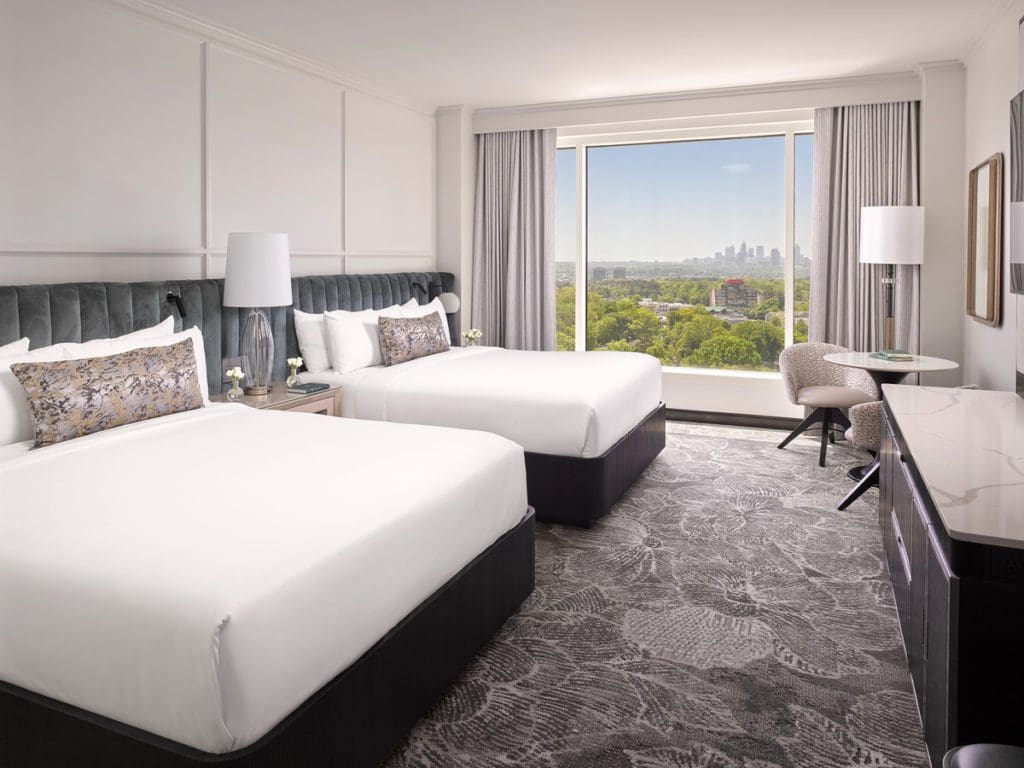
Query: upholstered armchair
826	388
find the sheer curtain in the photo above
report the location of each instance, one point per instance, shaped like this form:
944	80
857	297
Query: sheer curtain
513	239
863	155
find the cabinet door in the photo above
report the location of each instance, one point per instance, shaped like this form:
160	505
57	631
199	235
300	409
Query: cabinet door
896	537
918	599
940	676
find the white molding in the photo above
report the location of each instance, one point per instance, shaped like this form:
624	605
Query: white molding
215	32
804	94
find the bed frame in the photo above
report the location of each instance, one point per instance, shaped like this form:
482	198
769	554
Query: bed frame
577	491
562	489
355	720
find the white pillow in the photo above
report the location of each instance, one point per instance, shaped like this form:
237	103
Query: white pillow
352	339
14	348
424	310
123	343
15	418
311	332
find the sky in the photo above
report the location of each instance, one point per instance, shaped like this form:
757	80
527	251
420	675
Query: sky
685	199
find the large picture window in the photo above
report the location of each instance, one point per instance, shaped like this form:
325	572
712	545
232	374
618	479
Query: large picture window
694	251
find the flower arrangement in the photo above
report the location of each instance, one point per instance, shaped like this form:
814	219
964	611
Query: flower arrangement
294	363
236	374
472	337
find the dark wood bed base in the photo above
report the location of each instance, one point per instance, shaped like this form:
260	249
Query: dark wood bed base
354	721
576	491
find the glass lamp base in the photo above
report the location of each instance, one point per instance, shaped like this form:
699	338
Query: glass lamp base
258	353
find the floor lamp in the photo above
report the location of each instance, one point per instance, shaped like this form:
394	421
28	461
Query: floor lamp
891	235
258	274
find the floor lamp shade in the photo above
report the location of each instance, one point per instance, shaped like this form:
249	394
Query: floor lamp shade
258	274
891	235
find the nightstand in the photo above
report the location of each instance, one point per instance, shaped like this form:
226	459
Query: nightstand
326	402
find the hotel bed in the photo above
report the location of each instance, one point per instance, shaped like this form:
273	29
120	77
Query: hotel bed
248	588
590	422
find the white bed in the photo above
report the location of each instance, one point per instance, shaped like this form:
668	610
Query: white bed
575	404
240	560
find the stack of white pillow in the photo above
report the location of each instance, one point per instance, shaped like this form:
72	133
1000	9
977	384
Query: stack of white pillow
15	418
347	341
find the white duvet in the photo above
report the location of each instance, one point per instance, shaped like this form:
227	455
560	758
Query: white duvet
200	575
563	403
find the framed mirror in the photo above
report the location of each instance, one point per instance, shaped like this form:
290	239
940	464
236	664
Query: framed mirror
985	240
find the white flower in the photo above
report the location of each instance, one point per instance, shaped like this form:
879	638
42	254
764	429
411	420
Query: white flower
473	334
294	362
235	373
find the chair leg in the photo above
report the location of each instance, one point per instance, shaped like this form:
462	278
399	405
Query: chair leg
826	429
869	479
802	427
840	418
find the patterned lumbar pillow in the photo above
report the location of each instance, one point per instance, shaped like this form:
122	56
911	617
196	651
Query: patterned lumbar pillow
406	338
72	398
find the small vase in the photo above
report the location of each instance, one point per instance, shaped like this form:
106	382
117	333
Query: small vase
292	380
235	393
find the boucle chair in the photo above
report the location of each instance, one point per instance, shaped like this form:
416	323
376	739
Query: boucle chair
865	432
827	388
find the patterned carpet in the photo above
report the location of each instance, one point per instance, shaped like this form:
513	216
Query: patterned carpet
723	616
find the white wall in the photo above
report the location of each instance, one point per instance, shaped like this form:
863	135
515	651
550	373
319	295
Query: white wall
456	182
943	198
133	140
991	83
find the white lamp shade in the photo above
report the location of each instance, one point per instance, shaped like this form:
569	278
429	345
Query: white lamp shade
892	234
258	272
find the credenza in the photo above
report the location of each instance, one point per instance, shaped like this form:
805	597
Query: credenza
951	510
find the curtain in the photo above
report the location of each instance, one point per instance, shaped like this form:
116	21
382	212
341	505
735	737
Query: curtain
863	155
513	239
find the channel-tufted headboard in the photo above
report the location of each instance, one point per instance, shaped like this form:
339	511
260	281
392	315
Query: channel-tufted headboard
61	312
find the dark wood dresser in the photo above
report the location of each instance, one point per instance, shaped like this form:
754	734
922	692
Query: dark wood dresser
951	509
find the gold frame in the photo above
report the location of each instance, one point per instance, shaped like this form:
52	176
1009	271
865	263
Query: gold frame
994	257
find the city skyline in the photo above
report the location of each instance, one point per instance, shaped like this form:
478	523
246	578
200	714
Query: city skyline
680	201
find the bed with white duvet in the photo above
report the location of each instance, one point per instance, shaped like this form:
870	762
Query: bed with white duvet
575	404
200	575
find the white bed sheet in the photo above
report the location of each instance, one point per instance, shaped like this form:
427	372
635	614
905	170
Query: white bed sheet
200	575
563	403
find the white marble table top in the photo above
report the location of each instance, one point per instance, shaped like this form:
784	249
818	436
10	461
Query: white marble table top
920	363
968	446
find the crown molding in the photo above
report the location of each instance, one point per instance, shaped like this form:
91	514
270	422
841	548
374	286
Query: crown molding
802	94
218	33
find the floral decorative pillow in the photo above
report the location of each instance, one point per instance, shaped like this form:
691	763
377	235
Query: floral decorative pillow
73	398
407	338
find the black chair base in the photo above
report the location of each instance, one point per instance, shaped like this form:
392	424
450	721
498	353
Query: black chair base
828	417
868	479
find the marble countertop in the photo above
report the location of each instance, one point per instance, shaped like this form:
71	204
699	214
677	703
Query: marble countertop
968	446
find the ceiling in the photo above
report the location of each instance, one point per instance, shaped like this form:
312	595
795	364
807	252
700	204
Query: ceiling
484	53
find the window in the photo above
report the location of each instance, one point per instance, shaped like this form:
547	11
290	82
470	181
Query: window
688	250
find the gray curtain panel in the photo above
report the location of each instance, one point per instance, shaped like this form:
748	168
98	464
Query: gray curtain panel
863	155
514	239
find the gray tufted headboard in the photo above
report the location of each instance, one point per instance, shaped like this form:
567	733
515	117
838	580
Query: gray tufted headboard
50	314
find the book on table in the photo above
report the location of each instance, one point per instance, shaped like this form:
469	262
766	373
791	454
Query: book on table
307	389
893	355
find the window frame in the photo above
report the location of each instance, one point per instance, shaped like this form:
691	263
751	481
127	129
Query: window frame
787	129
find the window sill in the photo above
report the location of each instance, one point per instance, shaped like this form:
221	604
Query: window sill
730	373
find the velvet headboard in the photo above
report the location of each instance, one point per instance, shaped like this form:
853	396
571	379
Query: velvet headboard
62	312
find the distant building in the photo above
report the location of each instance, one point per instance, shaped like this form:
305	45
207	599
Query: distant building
661	308
734	294
618	272
760	252
599	273
776	258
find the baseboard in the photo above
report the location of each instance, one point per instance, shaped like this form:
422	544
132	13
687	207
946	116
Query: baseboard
731	419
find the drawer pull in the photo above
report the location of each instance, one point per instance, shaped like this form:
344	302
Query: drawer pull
901	545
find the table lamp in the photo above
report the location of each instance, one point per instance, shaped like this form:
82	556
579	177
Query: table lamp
258	274
891	235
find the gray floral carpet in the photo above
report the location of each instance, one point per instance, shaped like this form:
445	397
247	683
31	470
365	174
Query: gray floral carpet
725	615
